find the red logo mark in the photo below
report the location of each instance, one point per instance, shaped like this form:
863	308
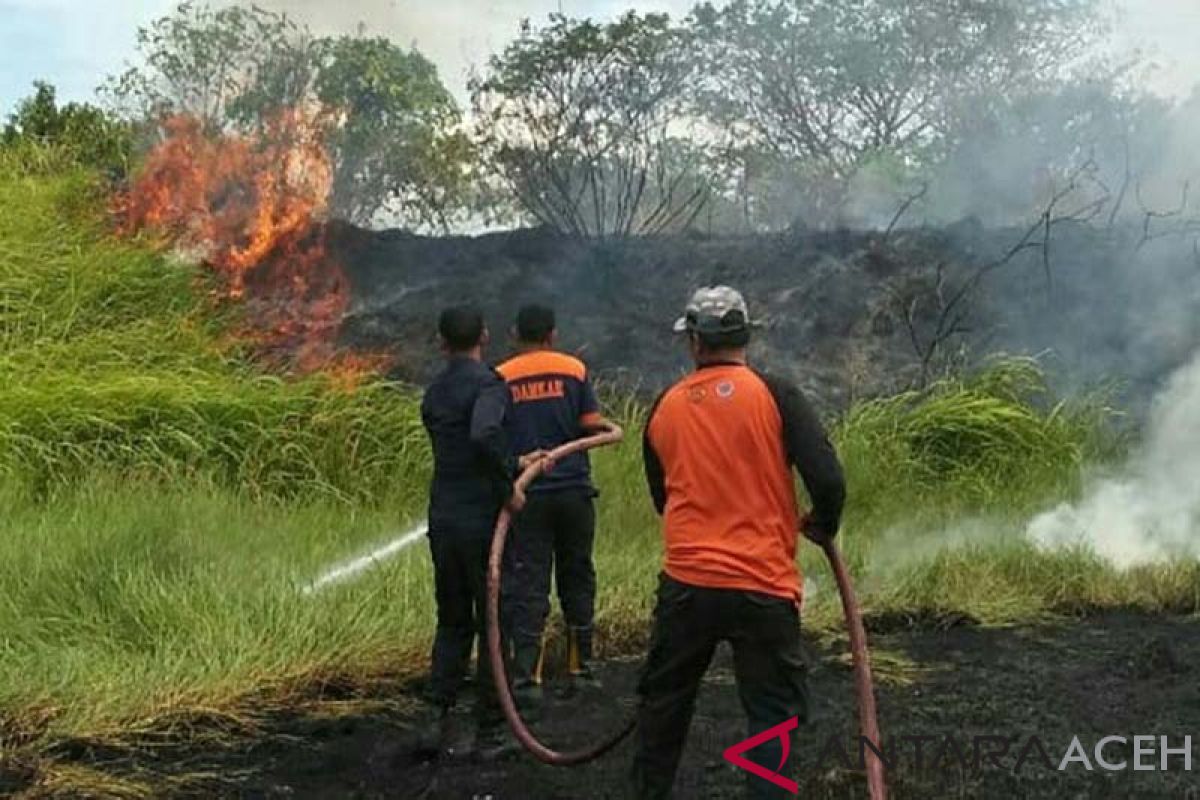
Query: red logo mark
734	754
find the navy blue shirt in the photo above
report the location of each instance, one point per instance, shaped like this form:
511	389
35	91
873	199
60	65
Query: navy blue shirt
464	412
553	403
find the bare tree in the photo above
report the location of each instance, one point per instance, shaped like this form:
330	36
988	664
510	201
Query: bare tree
939	313
905	204
1178	222
575	119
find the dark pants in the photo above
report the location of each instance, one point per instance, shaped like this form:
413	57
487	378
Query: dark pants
554	533
460	585
768	663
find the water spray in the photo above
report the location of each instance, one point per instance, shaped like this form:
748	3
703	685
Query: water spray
863	683
350	570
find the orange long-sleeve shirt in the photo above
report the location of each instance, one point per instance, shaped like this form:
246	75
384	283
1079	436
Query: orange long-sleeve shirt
719	449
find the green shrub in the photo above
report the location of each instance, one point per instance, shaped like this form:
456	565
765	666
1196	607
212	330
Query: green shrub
47	137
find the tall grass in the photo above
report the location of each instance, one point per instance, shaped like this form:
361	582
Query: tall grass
126	607
262	436
991	443
129	605
162	500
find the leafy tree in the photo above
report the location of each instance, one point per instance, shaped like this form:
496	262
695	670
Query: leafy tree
397	145
823	86
212	64
576	119
90	135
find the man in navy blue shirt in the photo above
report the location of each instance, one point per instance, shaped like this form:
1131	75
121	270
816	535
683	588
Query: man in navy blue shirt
553	403
464	412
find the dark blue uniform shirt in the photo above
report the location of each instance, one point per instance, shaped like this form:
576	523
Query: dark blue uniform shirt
464	411
553	403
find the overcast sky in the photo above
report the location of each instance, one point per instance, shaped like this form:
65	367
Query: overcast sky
75	43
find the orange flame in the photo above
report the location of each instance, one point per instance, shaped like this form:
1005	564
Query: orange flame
251	208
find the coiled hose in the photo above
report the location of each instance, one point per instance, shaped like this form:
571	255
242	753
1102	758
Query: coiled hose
863	684
496	650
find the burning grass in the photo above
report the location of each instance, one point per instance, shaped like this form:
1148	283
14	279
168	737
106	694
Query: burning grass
164	502
113	359
251	209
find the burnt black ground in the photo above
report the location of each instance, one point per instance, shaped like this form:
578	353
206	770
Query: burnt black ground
1119	673
846	314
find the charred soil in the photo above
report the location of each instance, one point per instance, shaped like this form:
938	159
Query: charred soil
1114	673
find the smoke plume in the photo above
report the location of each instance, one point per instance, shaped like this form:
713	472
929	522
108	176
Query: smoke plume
1150	510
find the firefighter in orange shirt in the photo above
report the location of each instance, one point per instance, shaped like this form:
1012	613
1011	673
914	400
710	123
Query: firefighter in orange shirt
719	448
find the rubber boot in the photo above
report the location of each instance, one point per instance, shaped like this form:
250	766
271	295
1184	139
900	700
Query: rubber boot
527	679
579	661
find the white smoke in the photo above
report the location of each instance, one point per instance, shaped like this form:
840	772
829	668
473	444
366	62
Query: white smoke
1150	511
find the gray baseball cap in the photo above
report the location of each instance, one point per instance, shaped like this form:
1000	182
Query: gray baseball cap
715	309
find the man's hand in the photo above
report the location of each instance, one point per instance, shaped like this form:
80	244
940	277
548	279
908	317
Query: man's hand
530	458
517	501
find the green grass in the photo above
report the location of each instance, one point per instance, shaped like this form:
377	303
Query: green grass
123	607
163	502
129	608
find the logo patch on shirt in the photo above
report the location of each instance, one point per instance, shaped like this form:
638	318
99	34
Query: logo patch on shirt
538	390
697	394
725	390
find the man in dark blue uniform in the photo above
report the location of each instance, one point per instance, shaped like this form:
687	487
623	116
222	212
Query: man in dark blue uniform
553	403
464	412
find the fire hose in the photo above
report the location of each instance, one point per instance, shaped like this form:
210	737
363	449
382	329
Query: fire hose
863	683
496	650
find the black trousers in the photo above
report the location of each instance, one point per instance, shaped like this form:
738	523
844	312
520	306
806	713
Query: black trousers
460	586
769	668
554	534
